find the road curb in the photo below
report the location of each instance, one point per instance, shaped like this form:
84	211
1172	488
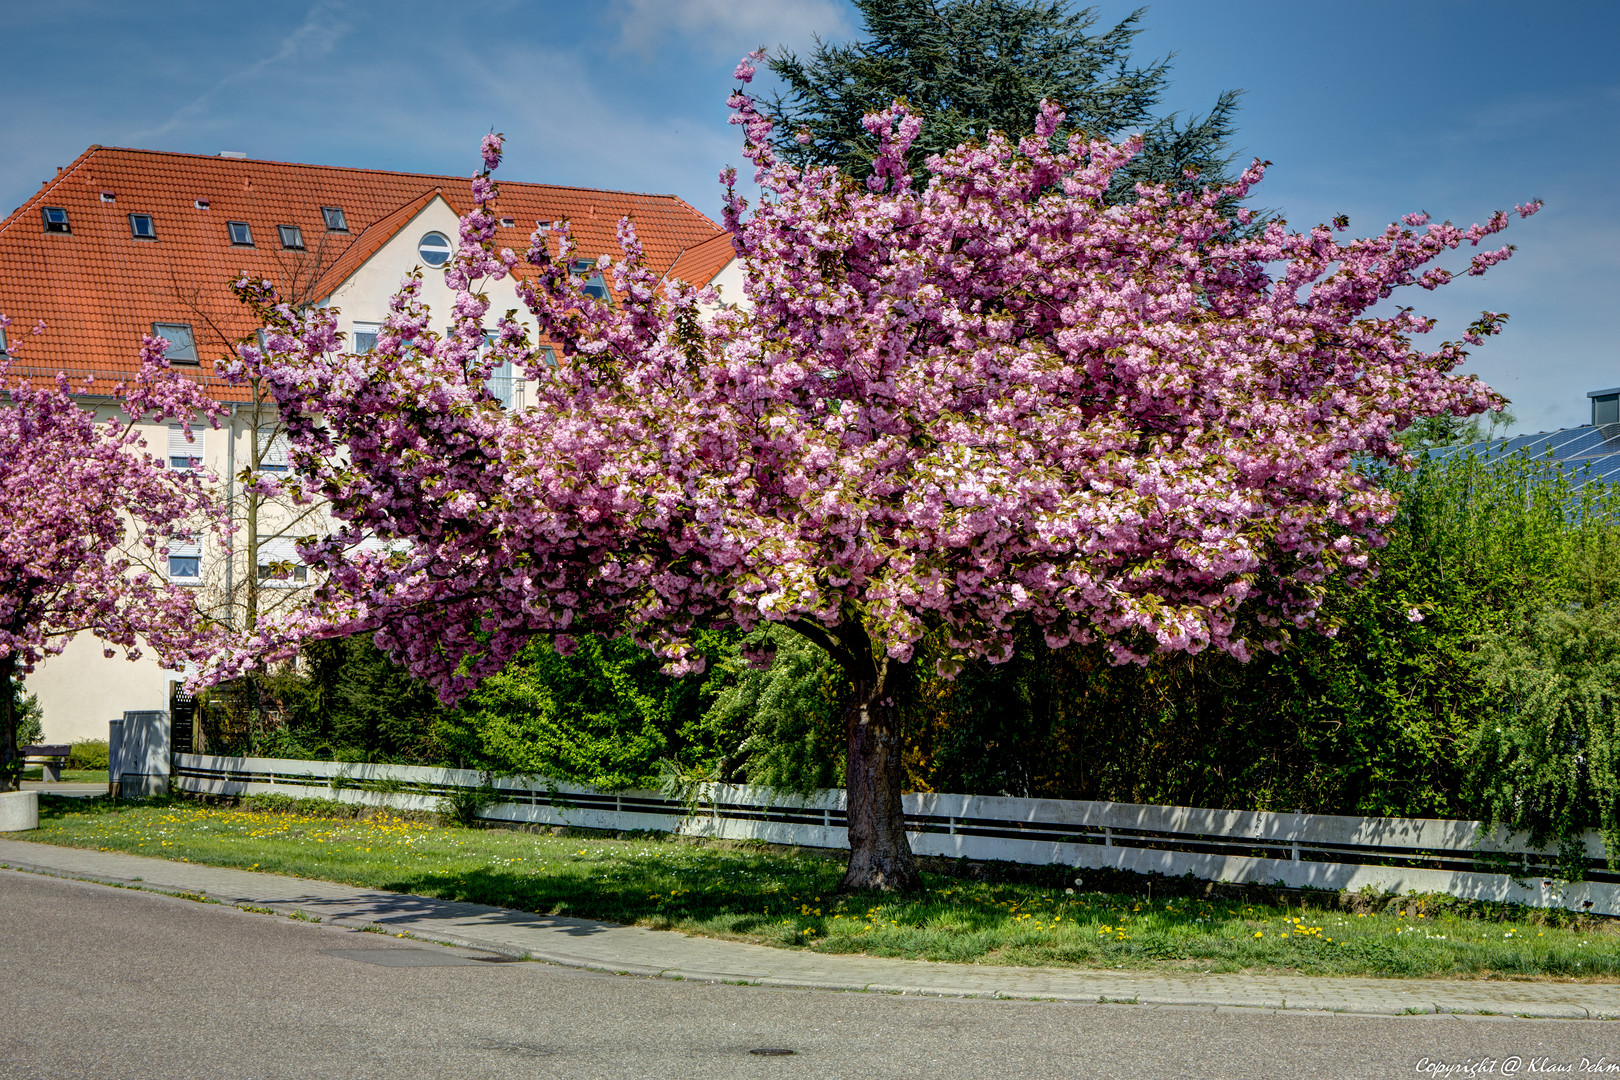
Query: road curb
1393	998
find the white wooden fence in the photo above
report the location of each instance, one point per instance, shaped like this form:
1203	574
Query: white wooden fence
1386	855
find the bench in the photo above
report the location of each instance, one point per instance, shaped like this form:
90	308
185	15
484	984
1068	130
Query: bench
50	760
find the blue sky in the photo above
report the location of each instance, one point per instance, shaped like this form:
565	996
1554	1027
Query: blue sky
1370	108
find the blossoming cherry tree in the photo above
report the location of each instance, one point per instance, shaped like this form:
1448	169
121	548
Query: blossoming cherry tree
940	408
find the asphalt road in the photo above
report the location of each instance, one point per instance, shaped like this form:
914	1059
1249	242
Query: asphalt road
105	982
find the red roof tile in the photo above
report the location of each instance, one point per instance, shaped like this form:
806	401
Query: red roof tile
698	264
98	289
368	243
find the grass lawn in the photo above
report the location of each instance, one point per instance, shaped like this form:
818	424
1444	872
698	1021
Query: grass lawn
789	898
70	776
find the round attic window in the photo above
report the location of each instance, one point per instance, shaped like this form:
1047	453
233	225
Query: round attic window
434	248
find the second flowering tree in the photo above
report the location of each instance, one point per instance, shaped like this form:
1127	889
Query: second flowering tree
942	407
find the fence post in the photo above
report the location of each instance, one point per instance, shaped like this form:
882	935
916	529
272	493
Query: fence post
1108	836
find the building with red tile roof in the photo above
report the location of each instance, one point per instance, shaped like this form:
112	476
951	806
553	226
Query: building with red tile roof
124	243
124	240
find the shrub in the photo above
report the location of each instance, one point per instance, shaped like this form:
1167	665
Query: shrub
1549	761
88	754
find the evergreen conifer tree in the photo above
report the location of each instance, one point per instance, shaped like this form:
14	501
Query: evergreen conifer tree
970	66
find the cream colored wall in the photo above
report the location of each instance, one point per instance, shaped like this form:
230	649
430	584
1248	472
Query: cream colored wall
80	690
364	297
729	283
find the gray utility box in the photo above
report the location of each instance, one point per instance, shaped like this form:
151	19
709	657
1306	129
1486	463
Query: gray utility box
138	754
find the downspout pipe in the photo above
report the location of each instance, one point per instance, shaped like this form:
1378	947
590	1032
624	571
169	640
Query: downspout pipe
230	507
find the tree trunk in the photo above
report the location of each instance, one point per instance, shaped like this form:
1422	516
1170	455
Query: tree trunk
879	852
10	759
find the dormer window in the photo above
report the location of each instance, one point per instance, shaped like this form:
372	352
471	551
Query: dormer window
241	234
292	237
56	219
182	345
141	227
333	216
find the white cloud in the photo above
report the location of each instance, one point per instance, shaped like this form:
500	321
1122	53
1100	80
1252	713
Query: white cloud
314	38
727	26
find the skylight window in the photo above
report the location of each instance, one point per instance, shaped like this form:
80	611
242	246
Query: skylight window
434	248
594	283
56	219
291	237
141	227
107	196
241	234
507	223
333	215
201	204
182	345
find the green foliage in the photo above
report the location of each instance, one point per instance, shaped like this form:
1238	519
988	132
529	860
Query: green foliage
464	805
1550	760
349	702
89	755
604	716
27	715
1378	719
789	717
970	66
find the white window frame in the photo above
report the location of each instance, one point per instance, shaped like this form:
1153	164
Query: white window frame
449	248
188	450
275	458
190	548
364	328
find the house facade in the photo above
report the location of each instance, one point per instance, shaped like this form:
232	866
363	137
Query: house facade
124	243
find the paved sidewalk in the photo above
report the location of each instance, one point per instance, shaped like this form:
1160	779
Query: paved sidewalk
634	950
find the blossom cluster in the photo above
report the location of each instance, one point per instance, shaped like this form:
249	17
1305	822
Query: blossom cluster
87	512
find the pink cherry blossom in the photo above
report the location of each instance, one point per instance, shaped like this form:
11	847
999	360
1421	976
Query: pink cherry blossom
86	515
